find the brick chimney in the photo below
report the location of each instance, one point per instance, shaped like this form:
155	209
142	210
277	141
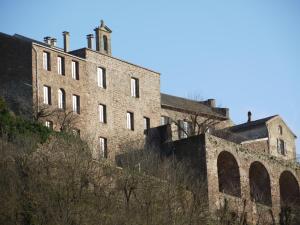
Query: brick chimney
90	38
53	42
66	36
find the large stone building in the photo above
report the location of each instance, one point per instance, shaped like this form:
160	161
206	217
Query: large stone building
109	102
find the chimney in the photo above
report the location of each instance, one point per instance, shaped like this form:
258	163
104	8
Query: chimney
66	35
53	42
90	38
211	102
47	40
249	116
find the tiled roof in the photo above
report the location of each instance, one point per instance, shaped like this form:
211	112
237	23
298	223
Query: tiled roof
189	105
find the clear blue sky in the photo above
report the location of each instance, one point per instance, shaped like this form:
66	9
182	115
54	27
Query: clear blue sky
246	54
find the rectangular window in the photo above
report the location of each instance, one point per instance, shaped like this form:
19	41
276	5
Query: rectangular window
101	77
60	65
130	121
46	61
76	103
281	146
146	123
75	70
49	124
164	120
183	128
102	113
47	95
134	87
103	147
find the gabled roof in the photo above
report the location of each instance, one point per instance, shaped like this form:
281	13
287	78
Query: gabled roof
174	102
251	125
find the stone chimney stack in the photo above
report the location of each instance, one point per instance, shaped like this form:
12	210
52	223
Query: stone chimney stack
211	102
90	38
249	116
103	40
47	40
66	36
53	42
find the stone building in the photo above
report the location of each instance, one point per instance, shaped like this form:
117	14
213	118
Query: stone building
109	102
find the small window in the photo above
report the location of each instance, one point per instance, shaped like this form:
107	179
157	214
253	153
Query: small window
76	103
46	61
280	130
103	147
61	99
60	65
49	124
75	70
105	43
164	120
130	121
146	123
101	77
47	95
102	113
134	86
281	146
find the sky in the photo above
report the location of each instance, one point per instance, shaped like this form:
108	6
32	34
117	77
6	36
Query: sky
245	54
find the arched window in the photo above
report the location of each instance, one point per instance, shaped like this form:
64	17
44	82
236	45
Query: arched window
289	189
228	174
260	189
105	43
280	130
61	99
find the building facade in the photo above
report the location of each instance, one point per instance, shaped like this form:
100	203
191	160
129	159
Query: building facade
109	102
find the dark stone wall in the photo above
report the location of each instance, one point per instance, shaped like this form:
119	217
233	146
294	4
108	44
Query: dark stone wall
16	74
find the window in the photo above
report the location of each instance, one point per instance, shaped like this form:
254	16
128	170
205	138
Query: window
102	113
146	123
75	70
49	124
103	147
47	95
281	147
105	43
46	61
76	104
60	65
61	99
101	77
134	87
183	128
280	130
130	122
164	120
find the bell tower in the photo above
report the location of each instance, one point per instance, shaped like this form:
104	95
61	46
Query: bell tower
103	39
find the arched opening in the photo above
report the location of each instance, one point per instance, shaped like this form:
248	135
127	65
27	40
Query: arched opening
289	189
228	174
105	43
61	99
260	188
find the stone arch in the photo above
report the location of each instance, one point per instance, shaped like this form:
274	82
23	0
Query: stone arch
260	185
228	174
289	189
